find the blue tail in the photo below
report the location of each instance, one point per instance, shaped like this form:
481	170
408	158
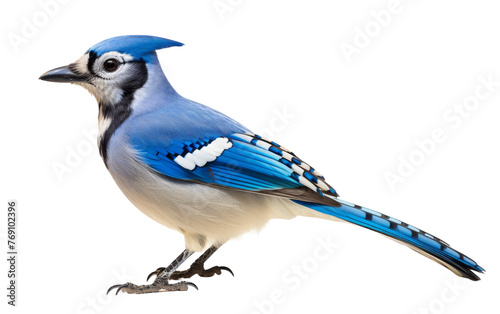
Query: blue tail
419	240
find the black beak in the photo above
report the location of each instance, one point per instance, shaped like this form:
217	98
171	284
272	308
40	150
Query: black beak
62	75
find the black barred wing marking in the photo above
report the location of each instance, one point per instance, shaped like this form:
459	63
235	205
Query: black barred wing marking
301	172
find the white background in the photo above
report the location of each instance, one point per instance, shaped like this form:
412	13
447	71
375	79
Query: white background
351	120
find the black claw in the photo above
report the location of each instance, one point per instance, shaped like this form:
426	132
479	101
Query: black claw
113	287
120	288
150	275
156	272
192	284
226	269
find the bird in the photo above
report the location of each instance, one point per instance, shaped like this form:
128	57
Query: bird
193	169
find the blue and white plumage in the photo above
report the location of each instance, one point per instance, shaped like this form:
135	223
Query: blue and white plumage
195	170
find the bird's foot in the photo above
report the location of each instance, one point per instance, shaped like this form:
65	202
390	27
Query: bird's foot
200	271
195	269
159	285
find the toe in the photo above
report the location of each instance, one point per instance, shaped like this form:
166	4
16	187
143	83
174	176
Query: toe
118	287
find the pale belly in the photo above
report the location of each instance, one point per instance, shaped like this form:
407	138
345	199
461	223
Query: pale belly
206	215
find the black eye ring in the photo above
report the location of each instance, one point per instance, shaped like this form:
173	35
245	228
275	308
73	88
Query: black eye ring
111	65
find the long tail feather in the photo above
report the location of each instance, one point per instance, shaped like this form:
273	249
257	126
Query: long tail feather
417	239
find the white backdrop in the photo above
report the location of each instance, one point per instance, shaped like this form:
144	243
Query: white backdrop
395	102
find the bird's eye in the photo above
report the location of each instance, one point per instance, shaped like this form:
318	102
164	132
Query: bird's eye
111	65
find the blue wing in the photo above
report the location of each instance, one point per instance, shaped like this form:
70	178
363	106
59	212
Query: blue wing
248	162
242	161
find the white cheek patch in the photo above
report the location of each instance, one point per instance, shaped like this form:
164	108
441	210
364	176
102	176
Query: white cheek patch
103	91
201	156
106	92
104	87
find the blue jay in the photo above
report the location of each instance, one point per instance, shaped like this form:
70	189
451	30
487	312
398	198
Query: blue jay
197	171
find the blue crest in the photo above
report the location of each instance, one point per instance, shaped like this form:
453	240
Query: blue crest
138	46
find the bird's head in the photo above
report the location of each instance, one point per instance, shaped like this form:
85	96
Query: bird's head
114	68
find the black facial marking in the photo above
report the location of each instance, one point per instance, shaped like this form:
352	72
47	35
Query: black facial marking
120	111
90	63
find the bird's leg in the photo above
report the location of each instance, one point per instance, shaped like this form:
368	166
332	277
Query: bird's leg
161	282
197	268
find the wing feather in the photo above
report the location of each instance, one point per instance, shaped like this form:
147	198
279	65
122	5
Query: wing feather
240	161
